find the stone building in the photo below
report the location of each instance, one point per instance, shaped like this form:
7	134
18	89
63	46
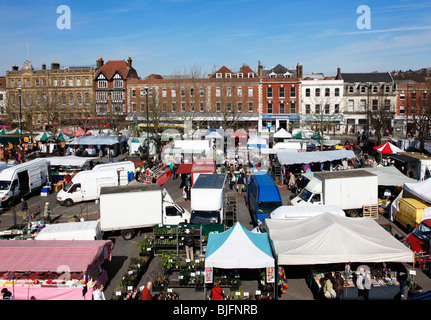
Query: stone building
49	97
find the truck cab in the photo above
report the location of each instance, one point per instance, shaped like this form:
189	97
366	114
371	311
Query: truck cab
311	194
419	239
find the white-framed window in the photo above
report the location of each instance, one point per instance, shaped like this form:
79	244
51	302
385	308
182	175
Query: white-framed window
87	82
201	92
239	91
363	89
336	108
239	107
327	92
183	92
307	109
402	96
337	92
327	108
351	105
70	82
317	92
118	81
250	92
308	92
219	75
269	92
251	75
375	89
317	109
363	105
71	99
228	92
229	107
164	93
174	107
36	82
102	84
218	92
183	107
292	107
201	106
351	89
192	92
173	93
78	82
63	82
281	108
228	75
375	104
240	75
269	107
281	93
218	106
133	107
79	99
87	98
250	106
192	107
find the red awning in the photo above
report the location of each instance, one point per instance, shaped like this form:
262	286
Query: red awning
239	134
184	168
203	165
50	255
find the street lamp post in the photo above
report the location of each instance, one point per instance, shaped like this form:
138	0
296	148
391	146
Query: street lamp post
148	125
20	117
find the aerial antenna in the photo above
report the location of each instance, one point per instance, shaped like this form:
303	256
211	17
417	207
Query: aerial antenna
28	54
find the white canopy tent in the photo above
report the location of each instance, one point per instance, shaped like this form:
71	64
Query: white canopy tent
289	158
238	248
422	190
328	238
282	134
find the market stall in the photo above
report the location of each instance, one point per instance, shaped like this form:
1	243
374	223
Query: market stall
202	166
53	270
329	239
239	248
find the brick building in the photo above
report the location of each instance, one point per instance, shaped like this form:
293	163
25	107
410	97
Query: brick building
225	99
280	98
3	101
110	86
413	98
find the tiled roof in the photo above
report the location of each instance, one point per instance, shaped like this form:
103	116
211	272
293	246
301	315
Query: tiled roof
246	70
222	70
110	68
367	77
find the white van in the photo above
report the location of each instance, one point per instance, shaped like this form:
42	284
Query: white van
85	230
122	165
85	185
22	179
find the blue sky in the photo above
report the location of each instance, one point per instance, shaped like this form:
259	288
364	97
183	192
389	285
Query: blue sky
171	36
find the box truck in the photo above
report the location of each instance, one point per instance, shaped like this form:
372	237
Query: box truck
128	209
350	190
85	230
263	196
208	196
85	185
22	179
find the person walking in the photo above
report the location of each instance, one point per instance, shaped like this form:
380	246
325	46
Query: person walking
328	287
47	213
189	243
98	293
363	283
241	181
338	285
146	292
216	292
24	210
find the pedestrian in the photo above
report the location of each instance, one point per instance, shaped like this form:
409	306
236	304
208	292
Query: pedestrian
363	283
216	292
47	213
7	295
402	279
338	285
241	181
292	181
146	292
98	293
187	191
328	287
24	210
189	243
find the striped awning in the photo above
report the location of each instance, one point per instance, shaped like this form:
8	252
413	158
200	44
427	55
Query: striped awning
52	255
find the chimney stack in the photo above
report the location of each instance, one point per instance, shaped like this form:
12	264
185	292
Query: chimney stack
43	66
15	68
55	66
129	63
99	63
299	71
259	69
338	77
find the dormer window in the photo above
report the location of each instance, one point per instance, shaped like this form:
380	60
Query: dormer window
240	75
251	75
228	75
273	75
118	81
219	75
287	75
102	83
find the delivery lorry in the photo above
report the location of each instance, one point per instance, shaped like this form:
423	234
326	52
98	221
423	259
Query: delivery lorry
299	213
129	209
86	185
23	179
208	196
350	190
84	230
263	196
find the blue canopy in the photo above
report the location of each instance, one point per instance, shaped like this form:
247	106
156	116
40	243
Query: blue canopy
239	248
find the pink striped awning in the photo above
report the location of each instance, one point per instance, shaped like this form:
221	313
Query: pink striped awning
52	255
